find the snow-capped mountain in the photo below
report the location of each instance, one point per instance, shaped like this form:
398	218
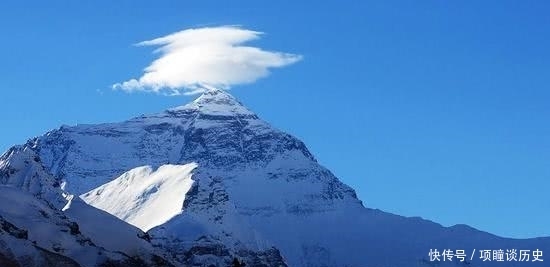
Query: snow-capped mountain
210	181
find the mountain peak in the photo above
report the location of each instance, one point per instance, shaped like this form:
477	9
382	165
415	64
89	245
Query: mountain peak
215	102
218	96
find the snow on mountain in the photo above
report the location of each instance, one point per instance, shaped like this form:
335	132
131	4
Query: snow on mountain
50	229
255	193
143	197
215	102
31	203
20	167
17	250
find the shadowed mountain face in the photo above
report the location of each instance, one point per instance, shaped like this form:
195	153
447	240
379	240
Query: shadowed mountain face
253	193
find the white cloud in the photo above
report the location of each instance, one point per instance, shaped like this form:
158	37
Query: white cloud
194	59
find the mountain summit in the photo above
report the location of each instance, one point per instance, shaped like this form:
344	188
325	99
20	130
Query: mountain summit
210	181
216	102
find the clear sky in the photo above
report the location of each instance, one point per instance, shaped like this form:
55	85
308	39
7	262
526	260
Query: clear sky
438	109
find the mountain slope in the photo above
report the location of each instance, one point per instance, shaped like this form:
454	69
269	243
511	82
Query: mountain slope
54	227
142	197
255	193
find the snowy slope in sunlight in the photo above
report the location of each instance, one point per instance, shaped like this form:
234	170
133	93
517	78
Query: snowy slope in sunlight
143	197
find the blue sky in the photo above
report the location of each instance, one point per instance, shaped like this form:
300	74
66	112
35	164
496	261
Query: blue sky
436	109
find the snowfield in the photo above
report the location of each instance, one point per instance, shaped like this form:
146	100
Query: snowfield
143	197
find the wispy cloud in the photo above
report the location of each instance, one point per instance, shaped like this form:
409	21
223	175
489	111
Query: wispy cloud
194	59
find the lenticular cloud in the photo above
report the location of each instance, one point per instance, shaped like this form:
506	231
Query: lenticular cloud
195	59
